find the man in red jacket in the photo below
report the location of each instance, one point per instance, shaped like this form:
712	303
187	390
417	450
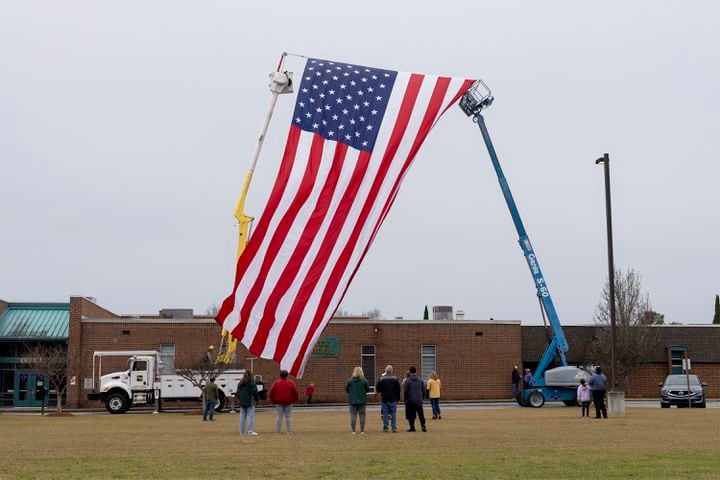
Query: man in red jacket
283	393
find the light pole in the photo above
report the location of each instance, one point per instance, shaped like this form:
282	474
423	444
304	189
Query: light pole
616	398
605	160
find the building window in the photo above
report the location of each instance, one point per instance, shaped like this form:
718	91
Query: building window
677	353
427	356
167	359
367	362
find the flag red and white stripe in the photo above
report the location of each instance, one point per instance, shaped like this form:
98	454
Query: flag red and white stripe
327	204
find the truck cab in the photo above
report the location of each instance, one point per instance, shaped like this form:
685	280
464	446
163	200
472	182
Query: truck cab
134	386
142	384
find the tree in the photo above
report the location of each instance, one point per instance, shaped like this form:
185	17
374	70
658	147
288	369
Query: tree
373	314
636	339
341	313
199	371
716	317
651	317
426	314
212	309
51	361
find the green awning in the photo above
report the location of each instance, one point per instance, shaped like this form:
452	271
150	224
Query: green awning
35	321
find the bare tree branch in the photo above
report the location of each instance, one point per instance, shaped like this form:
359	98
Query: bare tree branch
635	339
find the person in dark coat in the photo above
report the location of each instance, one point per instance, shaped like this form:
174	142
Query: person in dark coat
248	397
413	391
389	389
515	382
597	389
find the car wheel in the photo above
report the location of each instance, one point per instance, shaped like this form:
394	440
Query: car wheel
701	405
117	403
571	403
664	405
536	400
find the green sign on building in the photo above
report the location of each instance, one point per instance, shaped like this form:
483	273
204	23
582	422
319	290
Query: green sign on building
326	347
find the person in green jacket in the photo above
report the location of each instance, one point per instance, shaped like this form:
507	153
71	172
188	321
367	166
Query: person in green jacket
357	389
248	397
211	393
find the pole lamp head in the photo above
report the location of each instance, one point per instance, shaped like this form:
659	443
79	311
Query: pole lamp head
604	159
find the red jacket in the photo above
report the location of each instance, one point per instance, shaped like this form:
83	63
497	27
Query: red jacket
283	392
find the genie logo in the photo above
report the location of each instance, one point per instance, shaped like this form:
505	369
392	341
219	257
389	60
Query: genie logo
533	264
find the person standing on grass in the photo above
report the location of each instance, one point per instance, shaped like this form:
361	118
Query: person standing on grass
597	386
309	392
515	382
433	387
413	391
211	393
583	396
389	389
248	397
357	389
283	393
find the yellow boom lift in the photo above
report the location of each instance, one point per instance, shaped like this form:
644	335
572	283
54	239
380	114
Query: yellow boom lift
280	83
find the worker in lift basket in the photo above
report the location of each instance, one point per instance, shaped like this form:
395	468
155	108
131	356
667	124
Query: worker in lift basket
208	356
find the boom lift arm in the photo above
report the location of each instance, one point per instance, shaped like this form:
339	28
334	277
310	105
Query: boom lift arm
476	99
280	83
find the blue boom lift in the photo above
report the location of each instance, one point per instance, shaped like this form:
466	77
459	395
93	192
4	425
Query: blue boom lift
548	384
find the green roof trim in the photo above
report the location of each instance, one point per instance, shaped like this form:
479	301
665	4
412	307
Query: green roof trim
35	321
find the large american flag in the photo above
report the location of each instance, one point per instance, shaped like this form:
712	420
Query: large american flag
354	133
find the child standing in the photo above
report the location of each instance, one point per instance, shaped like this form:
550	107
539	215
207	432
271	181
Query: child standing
583	396
309	392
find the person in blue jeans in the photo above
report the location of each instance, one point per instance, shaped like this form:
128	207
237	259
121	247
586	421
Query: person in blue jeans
211	393
248	397
389	389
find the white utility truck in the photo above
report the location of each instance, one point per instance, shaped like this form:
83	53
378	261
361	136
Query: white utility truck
142	382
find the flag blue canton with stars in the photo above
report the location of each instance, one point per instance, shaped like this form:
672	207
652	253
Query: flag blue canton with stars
342	102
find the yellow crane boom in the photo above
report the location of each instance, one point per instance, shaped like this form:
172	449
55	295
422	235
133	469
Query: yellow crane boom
280	83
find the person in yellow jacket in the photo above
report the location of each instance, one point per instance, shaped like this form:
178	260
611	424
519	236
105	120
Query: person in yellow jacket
433	386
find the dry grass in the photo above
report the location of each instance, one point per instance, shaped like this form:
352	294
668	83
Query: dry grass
514	443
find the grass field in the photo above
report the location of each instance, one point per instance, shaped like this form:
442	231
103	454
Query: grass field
522	443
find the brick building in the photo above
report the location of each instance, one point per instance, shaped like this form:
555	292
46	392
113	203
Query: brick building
473	357
700	343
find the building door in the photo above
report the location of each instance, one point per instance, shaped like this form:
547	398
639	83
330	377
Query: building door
25	393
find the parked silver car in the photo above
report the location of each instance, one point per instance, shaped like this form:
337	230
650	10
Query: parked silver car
675	391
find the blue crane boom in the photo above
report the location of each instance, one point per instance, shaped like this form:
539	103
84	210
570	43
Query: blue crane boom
472	103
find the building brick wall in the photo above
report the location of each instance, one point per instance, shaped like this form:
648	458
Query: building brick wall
644	380
80	308
473	359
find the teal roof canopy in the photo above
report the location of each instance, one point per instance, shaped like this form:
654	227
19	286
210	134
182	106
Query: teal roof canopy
35	321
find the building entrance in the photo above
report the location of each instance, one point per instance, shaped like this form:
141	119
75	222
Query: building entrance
25	392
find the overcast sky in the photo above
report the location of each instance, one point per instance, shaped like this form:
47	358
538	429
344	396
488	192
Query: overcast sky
126	128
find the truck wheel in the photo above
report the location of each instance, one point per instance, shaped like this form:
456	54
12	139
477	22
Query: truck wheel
220	404
117	403
536	400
